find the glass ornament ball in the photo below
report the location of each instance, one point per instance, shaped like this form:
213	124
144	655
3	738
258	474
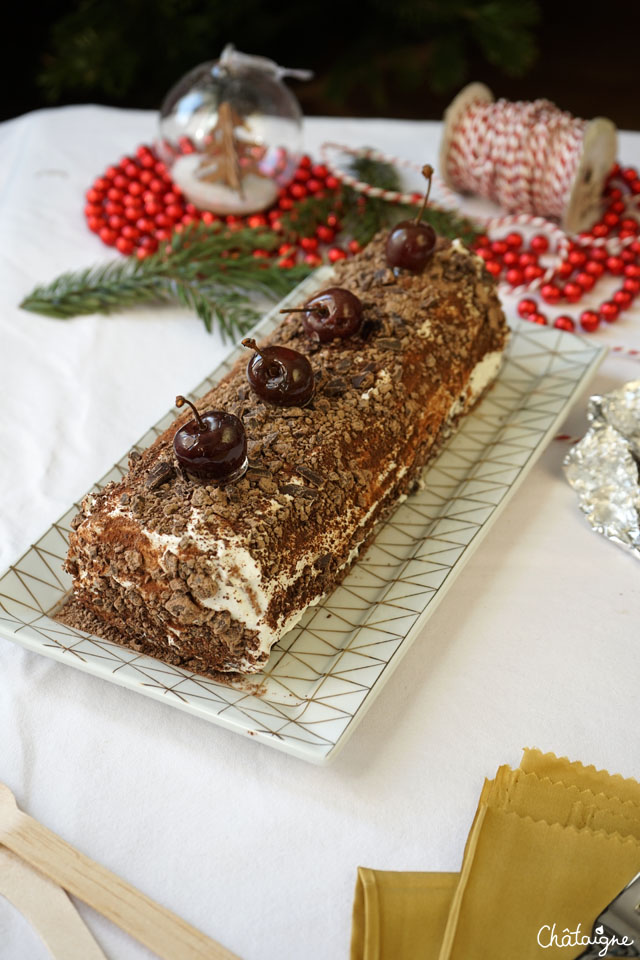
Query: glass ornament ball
231	133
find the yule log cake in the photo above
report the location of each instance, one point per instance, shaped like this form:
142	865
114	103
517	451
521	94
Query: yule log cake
209	574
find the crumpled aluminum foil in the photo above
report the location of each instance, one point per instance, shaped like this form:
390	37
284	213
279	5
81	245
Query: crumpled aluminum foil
604	467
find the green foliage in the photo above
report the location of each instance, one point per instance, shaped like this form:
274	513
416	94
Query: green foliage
365	54
208	269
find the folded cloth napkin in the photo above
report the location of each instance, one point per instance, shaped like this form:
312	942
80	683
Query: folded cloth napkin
552	843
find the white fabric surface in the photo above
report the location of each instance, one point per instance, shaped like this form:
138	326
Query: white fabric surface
536	645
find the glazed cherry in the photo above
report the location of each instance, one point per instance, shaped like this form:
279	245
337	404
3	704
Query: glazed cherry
279	375
334	313
212	446
410	244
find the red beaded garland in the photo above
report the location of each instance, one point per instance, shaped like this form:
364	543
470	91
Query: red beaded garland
134	206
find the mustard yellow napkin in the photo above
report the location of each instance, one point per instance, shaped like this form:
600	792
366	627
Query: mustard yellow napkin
552	842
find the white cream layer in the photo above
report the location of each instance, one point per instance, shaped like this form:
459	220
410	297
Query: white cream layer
239	585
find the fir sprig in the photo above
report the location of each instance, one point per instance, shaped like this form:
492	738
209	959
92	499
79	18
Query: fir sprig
207	268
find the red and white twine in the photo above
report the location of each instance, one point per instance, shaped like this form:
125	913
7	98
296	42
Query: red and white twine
522	156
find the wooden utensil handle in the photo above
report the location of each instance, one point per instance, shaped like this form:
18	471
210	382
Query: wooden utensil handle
163	932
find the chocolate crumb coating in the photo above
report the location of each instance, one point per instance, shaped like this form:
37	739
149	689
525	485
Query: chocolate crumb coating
209	577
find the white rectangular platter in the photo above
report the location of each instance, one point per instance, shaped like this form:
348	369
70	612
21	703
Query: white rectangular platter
325	672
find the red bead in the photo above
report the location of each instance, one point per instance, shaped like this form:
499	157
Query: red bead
485	252
287	263
121	182
305	160
101	184
96	224
609	311
313	185
108	236
598	253
614	265
511	258
600	230
632	285
174	211
116	223
550	293
309	244
494	267
589	320
257	220
145	224
131	171
515	277
332	221
482	240
514	240
629	174
130	232
325	234
332	183
298	191
585	280
632	270
319	171
565	269
577	258
93	210
302	174
354	246
163	221
594	267
163	235
313	259
124	246
94	196
532	272
260	254
499	247
539	243
564	322
149	243
626	224
145	178
527	307
527	259
142	253
538	318
623	298
611	219
152	209
618	206
335	254
286	203
285	248
573	292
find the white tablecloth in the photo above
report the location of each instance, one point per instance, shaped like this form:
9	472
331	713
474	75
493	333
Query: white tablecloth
536	645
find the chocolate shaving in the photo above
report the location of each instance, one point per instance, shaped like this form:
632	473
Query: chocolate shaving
297	490
336	387
163	472
310	475
385	277
363	380
389	343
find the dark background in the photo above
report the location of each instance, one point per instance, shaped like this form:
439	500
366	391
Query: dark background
400	58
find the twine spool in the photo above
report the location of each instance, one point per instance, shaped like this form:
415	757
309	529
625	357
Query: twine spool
530	158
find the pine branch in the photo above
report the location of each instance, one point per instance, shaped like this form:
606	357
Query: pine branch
208	269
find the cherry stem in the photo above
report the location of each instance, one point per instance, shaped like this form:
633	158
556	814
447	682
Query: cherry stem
180	402
274	366
295	310
427	173
252	345
319	310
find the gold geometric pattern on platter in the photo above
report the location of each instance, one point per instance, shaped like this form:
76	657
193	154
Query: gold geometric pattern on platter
324	673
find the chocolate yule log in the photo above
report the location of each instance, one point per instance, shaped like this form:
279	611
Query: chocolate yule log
209	575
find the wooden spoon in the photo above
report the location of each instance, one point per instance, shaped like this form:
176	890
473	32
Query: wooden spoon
48	909
163	932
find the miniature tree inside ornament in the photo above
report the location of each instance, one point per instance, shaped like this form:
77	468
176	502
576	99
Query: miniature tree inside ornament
230	133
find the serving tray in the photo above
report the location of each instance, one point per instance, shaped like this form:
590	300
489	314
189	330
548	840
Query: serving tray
324	674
